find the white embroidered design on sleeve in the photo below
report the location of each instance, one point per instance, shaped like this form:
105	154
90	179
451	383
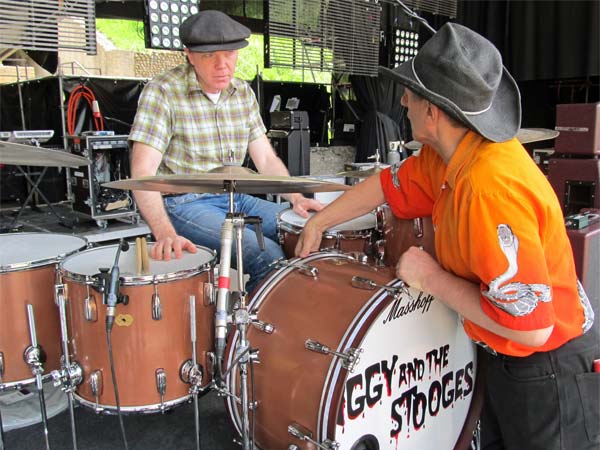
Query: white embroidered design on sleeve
516	298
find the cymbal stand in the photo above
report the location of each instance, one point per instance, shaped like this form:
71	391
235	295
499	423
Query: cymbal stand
235	221
34	357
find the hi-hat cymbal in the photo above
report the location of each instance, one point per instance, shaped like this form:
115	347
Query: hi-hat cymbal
28	155
362	173
220	180
528	135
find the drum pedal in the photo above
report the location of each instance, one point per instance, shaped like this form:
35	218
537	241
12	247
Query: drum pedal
302	433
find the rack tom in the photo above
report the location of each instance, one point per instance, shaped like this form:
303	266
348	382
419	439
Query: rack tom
353	236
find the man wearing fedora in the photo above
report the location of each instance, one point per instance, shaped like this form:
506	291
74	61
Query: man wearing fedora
192	119
503	260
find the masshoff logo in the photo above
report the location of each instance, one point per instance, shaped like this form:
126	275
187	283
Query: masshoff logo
406	304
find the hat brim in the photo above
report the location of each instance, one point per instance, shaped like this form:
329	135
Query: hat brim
498	124
207	48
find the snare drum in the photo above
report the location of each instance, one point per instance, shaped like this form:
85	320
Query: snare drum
352	236
402	376
151	337
27	276
401	234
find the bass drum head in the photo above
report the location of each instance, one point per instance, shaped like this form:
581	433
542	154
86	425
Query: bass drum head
414	384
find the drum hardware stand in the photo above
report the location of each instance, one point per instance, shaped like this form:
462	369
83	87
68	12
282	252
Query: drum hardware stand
35	357
241	318
298	431
71	375
190	371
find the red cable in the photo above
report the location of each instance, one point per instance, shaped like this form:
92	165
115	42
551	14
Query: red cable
77	93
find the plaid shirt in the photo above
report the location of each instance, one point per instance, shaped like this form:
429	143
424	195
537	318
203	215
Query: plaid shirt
176	117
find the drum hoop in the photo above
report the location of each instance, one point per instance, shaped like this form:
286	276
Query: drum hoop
258	299
144	409
370	308
28	265
20	384
140	280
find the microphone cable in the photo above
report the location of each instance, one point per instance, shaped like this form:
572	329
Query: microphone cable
116	387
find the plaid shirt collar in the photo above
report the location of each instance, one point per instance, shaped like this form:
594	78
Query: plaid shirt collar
193	85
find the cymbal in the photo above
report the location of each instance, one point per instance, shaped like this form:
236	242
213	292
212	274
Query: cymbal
28	155
218	181
362	173
528	135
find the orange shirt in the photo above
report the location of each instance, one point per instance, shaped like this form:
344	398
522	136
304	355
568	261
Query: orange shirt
498	223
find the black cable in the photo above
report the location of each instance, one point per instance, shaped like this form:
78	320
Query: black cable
116	388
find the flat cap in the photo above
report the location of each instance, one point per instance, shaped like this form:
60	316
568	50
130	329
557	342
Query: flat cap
211	31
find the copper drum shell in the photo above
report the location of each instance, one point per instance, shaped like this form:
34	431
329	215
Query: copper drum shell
141	344
401	234
28	263
36	287
340	239
289	379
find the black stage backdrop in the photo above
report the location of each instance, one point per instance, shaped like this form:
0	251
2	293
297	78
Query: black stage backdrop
42	104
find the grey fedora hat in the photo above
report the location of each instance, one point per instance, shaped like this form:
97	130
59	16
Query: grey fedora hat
211	31
461	72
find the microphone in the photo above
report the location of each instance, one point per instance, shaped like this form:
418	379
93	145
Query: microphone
113	286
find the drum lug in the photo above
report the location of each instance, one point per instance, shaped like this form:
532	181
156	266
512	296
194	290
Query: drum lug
209	294
60	291
1	366
304	269
91	310
156	306
380	251
161	386
96	385
418	227
302	433
263	326
350	357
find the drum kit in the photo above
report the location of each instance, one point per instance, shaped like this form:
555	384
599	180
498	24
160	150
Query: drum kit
330	352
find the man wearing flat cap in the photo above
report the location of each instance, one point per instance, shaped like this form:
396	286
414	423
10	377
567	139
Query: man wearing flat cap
503	260
197	117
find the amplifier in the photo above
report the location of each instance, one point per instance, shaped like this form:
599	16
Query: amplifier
576	183
586	251
579	127
289	120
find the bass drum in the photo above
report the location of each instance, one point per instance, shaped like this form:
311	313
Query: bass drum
402	375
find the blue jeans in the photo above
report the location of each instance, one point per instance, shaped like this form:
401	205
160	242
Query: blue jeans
199	217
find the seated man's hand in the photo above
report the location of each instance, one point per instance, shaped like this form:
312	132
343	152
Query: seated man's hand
302	205
164	246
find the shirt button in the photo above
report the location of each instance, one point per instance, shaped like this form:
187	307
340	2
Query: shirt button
444	185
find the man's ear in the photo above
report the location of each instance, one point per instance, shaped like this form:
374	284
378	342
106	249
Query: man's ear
187	54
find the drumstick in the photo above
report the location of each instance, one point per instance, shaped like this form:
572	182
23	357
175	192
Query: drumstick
145	258
139	263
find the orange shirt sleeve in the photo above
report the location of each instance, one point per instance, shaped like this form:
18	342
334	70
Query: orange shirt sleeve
409	191
506	253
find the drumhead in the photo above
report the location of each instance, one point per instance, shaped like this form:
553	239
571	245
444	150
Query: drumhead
19	251
365	222
87	264
417	369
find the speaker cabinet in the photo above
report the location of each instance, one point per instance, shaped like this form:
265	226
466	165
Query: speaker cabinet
576	183
586	250
293	147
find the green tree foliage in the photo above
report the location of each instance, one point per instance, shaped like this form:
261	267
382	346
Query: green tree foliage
129	35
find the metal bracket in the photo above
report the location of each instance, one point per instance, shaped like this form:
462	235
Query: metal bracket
350	357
